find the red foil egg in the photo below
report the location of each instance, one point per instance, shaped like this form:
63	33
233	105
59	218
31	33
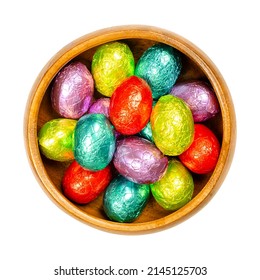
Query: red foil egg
81	185
202	156
131	106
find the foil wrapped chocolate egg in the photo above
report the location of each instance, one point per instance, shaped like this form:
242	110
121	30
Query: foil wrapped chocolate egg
56	139
94	143
175	188
124	200
81	185
160	65
146	132
202	156
131	106
72	91
172	125
111	64
139	160
100	106
200	97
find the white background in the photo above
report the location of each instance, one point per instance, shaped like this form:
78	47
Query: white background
36	236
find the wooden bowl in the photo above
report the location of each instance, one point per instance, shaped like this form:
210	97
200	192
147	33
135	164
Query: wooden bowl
196	65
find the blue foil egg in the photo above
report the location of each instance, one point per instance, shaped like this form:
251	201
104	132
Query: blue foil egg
124	200
160	66
94	142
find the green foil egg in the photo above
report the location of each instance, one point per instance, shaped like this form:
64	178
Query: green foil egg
111	64
94	141
175	188
56	139
124	200
172	125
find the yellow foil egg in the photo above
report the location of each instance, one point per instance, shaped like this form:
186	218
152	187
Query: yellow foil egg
175	188
172	125
111	64
56	139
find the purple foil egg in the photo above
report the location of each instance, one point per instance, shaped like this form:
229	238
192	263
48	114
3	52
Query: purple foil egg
100	106
72	91
139	160
200	97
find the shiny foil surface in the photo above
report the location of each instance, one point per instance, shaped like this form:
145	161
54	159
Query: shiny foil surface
172	125
202	156
124	200
56	139
100	106
131	106
111	64
81	185
146	132
72	91
160	65
139	160
176	187
94	141
200	97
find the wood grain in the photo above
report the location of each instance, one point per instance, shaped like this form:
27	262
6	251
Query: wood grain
196	66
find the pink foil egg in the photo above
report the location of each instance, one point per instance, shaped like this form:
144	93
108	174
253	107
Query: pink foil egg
200	97
139	160
100	106
72	91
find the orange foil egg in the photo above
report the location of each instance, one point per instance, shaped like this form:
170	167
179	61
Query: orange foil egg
131	106
202	156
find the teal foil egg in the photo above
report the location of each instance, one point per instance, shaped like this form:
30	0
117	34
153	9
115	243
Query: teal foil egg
160	66
94	142
124	200
146	132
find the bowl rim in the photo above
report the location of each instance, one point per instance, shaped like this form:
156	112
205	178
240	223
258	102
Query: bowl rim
95	39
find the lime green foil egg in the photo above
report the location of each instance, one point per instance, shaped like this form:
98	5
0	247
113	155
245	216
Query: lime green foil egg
111	64
175	188
56	139
172	125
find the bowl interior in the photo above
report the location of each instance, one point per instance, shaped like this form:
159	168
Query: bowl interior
50	172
